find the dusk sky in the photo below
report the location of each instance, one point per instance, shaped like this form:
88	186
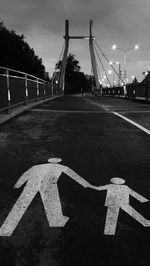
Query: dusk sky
123	22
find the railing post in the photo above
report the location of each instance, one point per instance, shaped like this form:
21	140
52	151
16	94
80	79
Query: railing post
52	89
37	86
44	88
8	89
26	88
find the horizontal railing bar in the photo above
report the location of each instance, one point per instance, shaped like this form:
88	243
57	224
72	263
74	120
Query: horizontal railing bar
18	77
20	72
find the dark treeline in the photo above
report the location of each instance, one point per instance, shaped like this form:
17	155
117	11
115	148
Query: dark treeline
15	53
75	81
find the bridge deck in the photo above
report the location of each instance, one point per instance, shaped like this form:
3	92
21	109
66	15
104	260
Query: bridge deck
91	139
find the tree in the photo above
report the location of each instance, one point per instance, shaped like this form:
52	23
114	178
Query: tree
146	77
16	53
74	79
72	65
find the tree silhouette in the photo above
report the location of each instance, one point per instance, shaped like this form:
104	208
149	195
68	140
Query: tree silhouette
16	53
74	79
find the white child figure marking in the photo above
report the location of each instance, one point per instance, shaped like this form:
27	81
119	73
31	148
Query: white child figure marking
41	178
118	198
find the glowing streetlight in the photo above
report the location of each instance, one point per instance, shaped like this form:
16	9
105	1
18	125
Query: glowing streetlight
109	72
136	47
114	47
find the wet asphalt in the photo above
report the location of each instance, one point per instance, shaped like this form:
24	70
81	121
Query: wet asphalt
97	145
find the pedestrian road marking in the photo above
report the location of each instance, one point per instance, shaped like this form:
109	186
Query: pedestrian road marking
41	178
118	198
147	131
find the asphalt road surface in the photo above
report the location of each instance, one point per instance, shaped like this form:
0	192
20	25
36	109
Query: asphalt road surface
99	138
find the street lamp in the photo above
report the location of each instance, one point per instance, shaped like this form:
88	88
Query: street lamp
114	47
132	77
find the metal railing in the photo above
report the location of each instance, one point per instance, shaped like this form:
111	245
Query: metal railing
18	88
138	91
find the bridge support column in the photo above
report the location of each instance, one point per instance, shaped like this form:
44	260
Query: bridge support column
93	59
64	59
65	54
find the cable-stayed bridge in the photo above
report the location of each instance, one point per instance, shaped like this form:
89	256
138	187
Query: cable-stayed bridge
74	170
18	88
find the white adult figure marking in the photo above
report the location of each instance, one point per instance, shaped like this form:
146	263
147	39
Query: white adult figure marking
118	198
41	178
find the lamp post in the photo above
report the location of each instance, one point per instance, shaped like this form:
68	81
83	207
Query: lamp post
114	47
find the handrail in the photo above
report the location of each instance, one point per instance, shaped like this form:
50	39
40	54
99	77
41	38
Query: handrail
23	73
32	88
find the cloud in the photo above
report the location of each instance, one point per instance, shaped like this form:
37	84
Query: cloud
125	22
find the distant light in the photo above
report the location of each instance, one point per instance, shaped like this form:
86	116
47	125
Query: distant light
113	63
109	71
132	77
114	47
136	47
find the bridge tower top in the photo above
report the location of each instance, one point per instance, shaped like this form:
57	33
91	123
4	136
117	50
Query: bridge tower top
67	37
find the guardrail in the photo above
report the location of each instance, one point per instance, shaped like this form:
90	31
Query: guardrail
18	88
138	91
113	91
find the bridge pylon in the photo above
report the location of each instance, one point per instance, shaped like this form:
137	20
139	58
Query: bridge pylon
67	38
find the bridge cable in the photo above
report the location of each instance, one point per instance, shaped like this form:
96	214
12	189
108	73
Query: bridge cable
54	75
99	74
109	62
102	66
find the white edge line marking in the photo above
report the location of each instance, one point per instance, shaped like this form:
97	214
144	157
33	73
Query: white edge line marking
103	106
133	123
68	111
136	111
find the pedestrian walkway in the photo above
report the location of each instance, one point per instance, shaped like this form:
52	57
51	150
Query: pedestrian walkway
5	116
93	208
